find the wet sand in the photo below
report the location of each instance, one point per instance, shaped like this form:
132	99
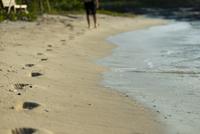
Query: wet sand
50	83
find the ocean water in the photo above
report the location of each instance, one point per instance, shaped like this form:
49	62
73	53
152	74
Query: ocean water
160	67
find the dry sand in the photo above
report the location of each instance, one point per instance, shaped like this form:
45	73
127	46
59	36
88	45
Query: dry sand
50	84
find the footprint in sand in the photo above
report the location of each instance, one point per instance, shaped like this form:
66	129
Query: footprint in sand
30	105
44	59
63	42
27	105
21	86
50	46
29	65
48	49
36	74
40	54
70	26
27	130
23	131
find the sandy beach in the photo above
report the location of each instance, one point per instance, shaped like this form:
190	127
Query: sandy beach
50	83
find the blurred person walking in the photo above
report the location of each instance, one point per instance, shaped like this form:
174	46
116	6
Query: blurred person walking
90	8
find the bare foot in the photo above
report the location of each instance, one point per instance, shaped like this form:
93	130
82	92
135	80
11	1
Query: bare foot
96	25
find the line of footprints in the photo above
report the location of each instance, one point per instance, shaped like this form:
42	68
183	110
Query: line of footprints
29	105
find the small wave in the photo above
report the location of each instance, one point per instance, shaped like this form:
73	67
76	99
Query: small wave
176	26
167	52
155	71
149	63
167	72
123	69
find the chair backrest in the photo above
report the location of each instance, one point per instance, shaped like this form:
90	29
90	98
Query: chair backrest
8	3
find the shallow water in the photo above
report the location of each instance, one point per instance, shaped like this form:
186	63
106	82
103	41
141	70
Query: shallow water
160	67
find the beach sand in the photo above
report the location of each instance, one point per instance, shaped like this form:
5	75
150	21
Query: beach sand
50	83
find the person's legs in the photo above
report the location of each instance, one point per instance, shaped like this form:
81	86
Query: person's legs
87	9
93	10
88	20
95	20
90	8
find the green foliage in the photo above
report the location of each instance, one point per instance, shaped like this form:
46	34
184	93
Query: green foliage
38	7
1	17
66	5
16	16
25	17
119	5
19	15
123	4
171	3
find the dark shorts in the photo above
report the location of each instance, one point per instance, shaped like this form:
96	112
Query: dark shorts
90	8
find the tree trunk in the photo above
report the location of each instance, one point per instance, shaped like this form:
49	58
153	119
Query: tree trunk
41	6
48	6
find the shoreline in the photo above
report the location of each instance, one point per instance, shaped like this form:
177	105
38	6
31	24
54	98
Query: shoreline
69	94
155	53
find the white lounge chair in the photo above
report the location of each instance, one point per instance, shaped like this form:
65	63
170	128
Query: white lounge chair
11	3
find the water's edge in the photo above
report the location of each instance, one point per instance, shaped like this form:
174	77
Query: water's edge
146	72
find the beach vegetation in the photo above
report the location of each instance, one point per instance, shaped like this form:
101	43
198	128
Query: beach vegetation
127	4
114	7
